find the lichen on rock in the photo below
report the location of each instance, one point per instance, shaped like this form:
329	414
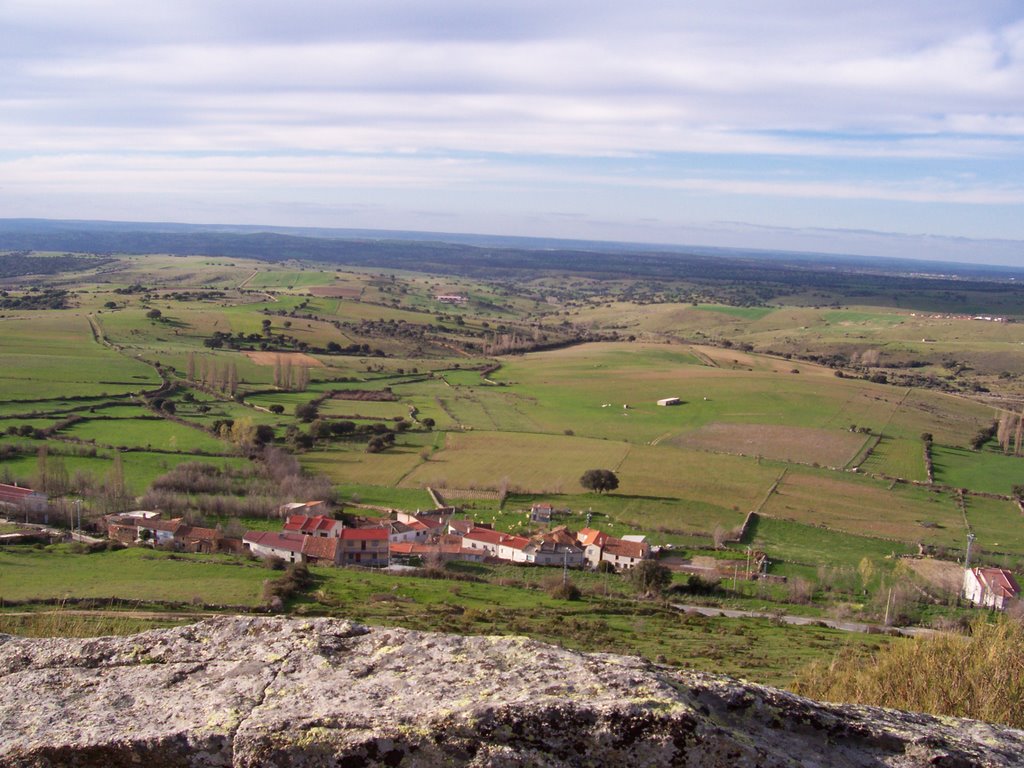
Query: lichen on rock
251	692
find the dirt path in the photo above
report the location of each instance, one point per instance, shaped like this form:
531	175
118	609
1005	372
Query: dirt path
803	621
248	279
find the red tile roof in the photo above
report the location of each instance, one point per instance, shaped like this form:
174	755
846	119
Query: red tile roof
168	526
515	542
487	535
307	524
620	548
999	580
588	536
365	534
195	533
12	494
289	542
321	548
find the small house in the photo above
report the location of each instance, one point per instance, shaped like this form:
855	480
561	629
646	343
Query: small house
365	546
990	587
22	498
670	401
541	513
317	525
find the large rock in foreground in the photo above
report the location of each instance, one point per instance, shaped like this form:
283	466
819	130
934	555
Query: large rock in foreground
322	692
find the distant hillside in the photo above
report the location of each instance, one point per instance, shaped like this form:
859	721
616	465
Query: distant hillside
763	275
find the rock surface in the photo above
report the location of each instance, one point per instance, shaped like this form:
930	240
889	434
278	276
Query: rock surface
322	692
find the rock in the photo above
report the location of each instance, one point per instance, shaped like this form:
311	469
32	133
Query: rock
251	692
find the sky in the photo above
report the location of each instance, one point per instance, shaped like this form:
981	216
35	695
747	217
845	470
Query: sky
885	128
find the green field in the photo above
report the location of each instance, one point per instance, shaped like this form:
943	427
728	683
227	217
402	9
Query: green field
986	470
151	433
131	574
897	457
867	507
53	355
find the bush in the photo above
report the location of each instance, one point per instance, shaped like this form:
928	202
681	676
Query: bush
650	577
564	591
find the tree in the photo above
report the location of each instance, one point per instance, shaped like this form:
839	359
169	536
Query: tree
599	480
650	577
154	314
306	411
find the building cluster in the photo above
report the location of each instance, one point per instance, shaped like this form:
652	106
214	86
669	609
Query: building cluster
378	542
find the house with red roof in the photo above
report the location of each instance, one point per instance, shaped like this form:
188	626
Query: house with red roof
22	498
512	547
445	548
293	547
622	553
364	546
317	525
990	587
485	539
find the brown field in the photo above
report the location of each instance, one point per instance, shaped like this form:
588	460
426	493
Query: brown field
295	358
867	508
336	291
943	575
831	447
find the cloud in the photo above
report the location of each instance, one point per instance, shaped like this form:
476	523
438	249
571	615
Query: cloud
903	102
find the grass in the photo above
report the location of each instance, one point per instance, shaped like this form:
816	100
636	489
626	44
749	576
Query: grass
897	457
867	507
544	463
753	648
53	355
999	525
147	434
67	622
140	467
802	543
131	574
986	470
973	676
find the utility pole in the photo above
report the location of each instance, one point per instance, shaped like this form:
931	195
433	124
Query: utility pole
565	566
888	600
78	506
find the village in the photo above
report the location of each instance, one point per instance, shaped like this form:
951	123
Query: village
309	535
314	535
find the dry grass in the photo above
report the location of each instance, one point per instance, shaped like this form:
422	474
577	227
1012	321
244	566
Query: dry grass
977	676
831	447
294	358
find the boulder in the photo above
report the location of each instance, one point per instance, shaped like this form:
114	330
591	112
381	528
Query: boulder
250	692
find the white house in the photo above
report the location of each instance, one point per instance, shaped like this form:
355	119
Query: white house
670	401
990	587
293	547
22	498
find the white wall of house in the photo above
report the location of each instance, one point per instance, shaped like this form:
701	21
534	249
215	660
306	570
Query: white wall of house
285	554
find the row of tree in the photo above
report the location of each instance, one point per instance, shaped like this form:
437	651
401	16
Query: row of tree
211	374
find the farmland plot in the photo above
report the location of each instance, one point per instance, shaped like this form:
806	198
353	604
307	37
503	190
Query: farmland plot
867	508
800	444
533	463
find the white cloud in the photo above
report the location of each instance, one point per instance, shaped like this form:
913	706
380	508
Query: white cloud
898	102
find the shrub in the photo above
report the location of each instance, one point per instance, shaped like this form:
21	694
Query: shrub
650	577
564	591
